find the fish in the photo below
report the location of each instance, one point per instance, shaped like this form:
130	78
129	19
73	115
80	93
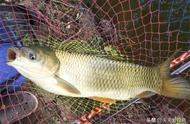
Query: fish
99	78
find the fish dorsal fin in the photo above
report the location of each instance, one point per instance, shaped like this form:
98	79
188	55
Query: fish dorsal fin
92	48
66	86
80	46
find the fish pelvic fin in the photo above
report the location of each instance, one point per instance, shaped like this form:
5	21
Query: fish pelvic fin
102	99
175	87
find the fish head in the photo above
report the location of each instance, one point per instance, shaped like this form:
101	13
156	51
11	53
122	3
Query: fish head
33	61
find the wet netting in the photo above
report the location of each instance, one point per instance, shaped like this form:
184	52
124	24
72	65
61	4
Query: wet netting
144	32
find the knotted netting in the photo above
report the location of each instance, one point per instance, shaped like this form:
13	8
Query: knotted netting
144	32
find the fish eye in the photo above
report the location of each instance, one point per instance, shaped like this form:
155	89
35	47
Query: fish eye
32	56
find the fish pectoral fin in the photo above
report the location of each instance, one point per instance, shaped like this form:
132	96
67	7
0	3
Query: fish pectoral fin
102	99
145	94
66	86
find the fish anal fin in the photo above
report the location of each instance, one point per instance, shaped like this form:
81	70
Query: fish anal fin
145	94
102	99
67	86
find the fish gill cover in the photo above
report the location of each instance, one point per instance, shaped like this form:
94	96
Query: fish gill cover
144	32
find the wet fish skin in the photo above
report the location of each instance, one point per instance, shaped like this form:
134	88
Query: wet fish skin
81	75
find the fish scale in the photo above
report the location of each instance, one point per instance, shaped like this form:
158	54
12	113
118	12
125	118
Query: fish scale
94	75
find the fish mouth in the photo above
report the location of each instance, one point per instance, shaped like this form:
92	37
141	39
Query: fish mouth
11	54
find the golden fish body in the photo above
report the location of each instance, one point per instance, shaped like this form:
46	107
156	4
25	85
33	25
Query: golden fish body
82	75
95	76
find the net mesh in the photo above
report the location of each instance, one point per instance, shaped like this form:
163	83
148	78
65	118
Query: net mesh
145	32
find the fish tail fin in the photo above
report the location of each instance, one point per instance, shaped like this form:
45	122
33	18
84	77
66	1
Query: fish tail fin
176	87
